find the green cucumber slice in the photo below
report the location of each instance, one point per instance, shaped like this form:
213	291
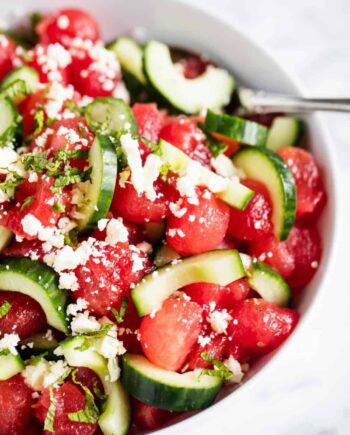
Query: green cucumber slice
268	283
212	89
165	389
29	75
238	129
98	192
109	116
218	267
5	237
10	365
261	164
9	121
115	417
130	56
234	193
284	132
39	282
165	255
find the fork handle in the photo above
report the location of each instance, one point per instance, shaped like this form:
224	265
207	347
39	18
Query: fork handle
268	102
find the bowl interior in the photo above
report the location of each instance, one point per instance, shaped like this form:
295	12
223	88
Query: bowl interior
180	24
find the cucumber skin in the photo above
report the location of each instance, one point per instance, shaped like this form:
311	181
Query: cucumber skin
288	186
239	129
164	396
261	267
109	179
31	270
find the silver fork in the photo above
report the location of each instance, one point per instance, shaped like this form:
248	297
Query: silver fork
268	102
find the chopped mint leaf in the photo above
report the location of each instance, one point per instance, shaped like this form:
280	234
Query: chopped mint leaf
220	370
10	184
72	237
39	124
36	162
97	391
90	413
91	336
58	206
74	108
4	308
50	416
164	170
4	352
26	203
119	316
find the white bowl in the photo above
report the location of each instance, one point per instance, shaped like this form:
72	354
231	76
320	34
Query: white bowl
185	26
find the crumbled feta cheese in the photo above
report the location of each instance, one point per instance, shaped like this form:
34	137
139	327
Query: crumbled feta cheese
237	374
68	281
7	157
224	166
83	323
63	22
203	340
116	232
137	262
219	321
176	209
142	178
80	305
9	341
44	373
31	225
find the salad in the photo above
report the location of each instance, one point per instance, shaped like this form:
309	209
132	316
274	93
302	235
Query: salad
153	237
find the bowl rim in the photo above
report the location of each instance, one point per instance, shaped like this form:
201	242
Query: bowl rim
319	123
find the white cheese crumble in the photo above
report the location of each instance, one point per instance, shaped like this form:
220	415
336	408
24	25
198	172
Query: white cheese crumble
83	323
44	373
80	305
9	341
68	281
142	177
224	166
219	321
237	374
116	232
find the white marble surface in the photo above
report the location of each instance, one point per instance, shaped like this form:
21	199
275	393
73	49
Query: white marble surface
309	393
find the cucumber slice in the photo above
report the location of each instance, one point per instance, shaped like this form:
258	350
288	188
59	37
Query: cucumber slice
268	283
165	389
29	75
109	116
212	89
39	282
9	121
261	164
10	365
233	193
98	192
284	132
130	56
218	267
238	129
115	417
5	237
165	255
